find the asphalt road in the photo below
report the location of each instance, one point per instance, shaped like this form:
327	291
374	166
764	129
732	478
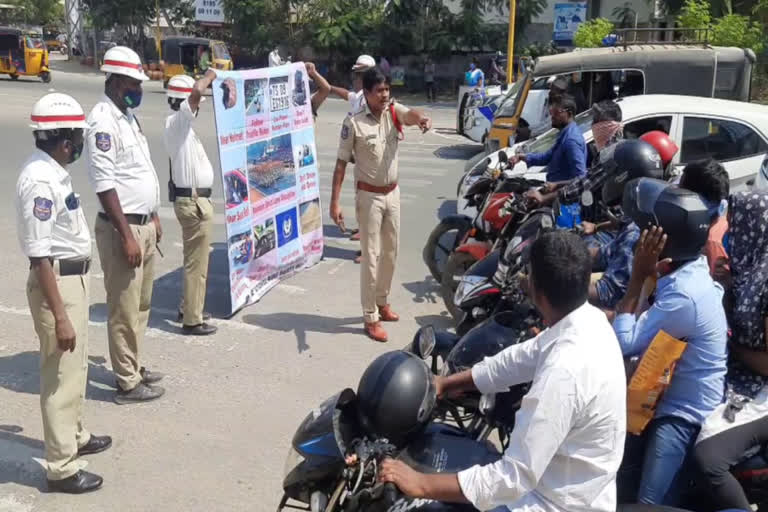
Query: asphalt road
218	439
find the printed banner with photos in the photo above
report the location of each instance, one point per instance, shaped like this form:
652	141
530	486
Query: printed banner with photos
268	156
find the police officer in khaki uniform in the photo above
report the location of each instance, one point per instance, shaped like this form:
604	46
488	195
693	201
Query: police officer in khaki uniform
127	227
190	190
372	136
54	235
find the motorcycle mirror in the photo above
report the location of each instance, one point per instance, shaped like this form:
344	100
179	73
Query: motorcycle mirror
503	158
426	341
487	404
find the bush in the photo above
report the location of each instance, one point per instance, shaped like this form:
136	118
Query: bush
590	34
736	30
694	14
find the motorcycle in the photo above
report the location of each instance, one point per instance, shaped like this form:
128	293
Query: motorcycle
317	477
486	194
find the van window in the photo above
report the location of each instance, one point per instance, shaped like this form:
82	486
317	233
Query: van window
719	139
631	83
635	129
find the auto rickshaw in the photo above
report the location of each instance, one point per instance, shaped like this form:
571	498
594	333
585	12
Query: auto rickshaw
23	54
51	37
183	55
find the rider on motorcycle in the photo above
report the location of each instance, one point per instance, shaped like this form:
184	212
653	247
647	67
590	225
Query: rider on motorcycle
630	159
741	423
567	443
687	306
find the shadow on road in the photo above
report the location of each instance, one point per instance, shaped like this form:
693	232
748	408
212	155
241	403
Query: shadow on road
427	290
458	151
20	373
441	322
300	324
17	465
339	253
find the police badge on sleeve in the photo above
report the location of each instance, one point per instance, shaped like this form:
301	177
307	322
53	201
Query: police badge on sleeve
103	141
42	208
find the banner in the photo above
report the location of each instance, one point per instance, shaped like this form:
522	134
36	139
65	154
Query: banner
568	17
268	157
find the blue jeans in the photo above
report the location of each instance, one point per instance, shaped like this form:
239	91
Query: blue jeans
667	442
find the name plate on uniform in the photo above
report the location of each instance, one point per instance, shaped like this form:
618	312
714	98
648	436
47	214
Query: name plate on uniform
268	157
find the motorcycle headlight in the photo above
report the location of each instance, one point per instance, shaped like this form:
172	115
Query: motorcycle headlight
466	285
293	459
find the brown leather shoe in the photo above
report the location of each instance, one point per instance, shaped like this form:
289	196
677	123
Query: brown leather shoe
387	315
376	332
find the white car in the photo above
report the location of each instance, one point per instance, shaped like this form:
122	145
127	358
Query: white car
734	133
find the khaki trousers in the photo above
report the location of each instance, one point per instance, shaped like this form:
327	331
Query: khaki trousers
129	297
379	219
196	218
63	375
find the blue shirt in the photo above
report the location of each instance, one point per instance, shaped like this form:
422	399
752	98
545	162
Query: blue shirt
474	76
566	159
615	260
688	306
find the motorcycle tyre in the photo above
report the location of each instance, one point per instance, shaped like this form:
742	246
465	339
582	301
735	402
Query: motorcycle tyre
458	263
461	225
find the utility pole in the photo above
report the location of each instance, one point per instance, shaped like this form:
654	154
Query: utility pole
511	42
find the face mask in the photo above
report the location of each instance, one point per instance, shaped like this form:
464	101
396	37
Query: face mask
132	98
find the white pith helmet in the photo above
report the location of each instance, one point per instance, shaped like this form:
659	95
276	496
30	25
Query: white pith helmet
364	63
55	111
121	60
180	86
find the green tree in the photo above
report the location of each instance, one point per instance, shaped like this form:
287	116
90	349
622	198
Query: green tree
737	30
694	14
38	12
590	34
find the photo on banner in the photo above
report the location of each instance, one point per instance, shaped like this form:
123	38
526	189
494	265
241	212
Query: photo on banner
269	169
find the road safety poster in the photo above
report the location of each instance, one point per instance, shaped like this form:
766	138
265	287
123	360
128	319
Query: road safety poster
268	157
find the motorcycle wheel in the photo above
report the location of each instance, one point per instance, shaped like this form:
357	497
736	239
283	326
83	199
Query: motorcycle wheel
455	267
442	242
14	77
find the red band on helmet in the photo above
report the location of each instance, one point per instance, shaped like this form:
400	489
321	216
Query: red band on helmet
179	89
56	119
122	64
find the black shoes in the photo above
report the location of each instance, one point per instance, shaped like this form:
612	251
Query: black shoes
180	317
79	483
202	329
139	394
96	444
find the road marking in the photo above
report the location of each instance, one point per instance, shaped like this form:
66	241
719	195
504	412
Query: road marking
335	268
291	289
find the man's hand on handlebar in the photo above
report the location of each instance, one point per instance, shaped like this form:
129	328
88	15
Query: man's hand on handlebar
535	196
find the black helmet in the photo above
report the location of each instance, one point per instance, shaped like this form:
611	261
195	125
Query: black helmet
625	161
396	396
679	212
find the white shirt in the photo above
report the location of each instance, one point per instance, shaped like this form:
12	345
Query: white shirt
569	432
190	165
50	220
356	102
118	158
274	59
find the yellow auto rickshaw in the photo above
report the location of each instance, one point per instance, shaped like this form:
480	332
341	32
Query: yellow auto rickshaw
51	38
192	56
23	54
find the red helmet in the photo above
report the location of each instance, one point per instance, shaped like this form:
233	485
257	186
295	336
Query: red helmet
663	144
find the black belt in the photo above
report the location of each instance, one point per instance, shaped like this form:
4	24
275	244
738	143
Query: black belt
72	267
131	218
189	192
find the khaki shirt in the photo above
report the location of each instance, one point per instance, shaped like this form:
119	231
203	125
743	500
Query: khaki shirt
374	144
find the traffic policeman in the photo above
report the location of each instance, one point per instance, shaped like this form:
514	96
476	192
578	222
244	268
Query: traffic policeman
54	235
372	136
190	191
127	226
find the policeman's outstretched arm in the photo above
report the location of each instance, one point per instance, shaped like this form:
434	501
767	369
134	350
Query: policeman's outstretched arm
199	89
111	204
413	117
323	87
65	333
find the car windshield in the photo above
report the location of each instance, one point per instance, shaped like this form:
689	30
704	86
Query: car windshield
547	139
510	99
